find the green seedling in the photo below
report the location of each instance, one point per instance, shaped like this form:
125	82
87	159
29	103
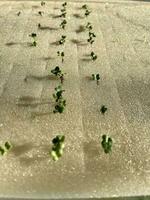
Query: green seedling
7	146
85	7
89	26
106	143
19	13
57	72
63	24
39	25
93	56
2	151
91	37
40	13
42	3
103	109
59	94
62	54
33	35
87	13
64	4
62	40
58	147
60	102
96	77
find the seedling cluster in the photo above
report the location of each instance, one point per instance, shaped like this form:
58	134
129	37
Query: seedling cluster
33	35
89	26
63	39
91	38
4	149
58	147
93	56
57	72
63	10
63	24
62	54
106	143
60	102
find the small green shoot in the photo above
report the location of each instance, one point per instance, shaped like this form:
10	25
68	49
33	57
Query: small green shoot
57	72
42	3
33	35
106	143
96	77
91	37
19	13
62	40
60	102
89	26
85	7
40	13
7	146
39	25
63	24
93	56
58	147
103	109
62	54
2	151
64	4
87	13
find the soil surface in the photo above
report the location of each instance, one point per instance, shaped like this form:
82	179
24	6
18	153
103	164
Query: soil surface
27	120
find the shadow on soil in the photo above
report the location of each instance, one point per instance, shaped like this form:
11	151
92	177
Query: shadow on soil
25	44
80	29
28	161
41	78
22	149
48	28
31	101
78	16
78	42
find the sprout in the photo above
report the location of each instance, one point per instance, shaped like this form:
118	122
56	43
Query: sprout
63	24
93	56
33	35
41	13
39	25
57	72
62	40
87	13
60	102
58	96
89	26
19	13
62	54
42	3
6	148
103	109
58	147
85	7
64	4
96	77
106	143
2	151
91	37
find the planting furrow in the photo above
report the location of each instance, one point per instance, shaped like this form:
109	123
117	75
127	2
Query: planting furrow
138	120
10	50
112	123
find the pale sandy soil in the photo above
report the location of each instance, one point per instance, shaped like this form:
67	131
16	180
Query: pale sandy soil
123	49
